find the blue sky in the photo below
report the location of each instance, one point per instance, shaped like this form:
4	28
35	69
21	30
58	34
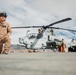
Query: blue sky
39	12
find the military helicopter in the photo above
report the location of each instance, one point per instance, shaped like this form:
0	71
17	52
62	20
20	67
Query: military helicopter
41	39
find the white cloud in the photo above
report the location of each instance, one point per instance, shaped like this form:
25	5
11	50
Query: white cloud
58	7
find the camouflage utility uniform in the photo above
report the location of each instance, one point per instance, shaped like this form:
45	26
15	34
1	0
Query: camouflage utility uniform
5	30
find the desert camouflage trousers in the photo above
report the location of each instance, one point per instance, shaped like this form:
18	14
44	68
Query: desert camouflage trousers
5	44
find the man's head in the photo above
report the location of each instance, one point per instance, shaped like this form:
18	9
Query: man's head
3	16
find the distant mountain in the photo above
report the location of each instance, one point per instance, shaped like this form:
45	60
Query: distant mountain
65	34
17	47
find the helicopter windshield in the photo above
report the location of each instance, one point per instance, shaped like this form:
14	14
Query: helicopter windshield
32	35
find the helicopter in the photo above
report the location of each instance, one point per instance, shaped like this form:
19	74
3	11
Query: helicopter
41	40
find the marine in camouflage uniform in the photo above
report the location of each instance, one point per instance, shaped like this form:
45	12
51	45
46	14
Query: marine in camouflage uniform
63	45
5	31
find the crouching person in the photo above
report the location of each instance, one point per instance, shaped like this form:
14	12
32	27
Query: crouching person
5	31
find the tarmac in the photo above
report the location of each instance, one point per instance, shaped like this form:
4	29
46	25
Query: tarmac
38	63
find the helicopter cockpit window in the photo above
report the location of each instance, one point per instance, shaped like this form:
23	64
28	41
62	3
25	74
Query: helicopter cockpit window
32	36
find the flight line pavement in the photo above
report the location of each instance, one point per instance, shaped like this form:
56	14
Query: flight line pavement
40	63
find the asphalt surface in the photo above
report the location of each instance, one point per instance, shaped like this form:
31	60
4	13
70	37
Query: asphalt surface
44	63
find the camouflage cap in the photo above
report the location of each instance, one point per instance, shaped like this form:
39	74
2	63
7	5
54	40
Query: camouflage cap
3	14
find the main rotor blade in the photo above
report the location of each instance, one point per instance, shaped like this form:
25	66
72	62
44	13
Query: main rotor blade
26	27
63	29
63	20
